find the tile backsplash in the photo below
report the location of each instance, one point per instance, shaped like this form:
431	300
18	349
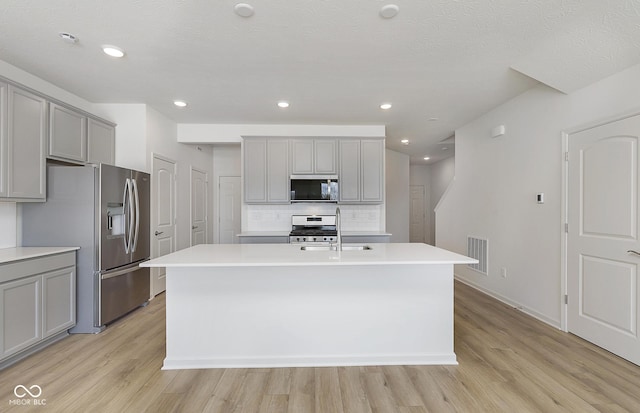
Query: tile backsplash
278	217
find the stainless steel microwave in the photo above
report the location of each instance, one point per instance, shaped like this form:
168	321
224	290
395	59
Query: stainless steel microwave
314	188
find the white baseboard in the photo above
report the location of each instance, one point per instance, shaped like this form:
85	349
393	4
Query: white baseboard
518	306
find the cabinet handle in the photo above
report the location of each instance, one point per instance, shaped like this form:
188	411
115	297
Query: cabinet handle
158	233
633	252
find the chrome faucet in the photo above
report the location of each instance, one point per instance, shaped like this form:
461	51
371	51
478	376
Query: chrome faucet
339	230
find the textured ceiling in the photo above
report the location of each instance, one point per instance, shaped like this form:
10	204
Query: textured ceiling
334	60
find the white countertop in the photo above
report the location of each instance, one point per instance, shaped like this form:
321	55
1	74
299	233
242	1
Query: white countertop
286	233
249	255
23	253
264	234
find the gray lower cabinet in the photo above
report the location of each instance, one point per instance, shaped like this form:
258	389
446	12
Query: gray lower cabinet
101	142
23	144
361	171
266	171
37	302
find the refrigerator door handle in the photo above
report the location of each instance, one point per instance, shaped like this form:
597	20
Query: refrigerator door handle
118	273
126	204
137	214
131	214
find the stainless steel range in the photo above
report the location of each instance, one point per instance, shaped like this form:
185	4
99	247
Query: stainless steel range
313	229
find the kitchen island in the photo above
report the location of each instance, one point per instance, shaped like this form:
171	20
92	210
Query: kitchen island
275	305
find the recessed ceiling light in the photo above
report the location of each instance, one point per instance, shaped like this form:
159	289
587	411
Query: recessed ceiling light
404	141
180	103
385	106
426	158
389	11
68	37
113	51
283	104
243	9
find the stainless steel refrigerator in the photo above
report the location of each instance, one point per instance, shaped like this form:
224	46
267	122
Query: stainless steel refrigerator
104	210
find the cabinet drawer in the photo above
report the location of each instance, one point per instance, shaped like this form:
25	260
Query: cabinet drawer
24	268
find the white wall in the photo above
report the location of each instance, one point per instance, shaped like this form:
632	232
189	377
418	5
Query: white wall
397	195
131	133
441	176
496	181
161	139
435	178
420	175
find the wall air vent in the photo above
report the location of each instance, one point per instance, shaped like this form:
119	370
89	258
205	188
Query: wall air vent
478	248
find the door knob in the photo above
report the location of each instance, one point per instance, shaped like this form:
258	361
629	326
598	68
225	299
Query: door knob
633	252
158	233
194	227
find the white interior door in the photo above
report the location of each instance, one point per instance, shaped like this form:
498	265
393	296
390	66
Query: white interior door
416	213
602	276
164	220
229	208
198	207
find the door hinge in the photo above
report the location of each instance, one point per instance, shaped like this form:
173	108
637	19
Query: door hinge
566	298
566	227
566	156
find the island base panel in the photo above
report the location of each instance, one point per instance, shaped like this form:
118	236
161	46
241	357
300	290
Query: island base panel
352	315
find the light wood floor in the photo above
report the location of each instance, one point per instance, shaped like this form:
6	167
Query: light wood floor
509	362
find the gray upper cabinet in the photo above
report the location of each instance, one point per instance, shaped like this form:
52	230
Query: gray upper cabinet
278	171
301	156
325	154
67	134
349	178
266	171
78	138
3	140
255	170
26	145
372	171
313	156
362	171
101	142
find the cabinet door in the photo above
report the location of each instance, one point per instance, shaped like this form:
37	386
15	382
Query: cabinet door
26	135
255	170
301	156
67	134
349	171
372	171
3	139
101	142
325	156
58	301
21	315
278	171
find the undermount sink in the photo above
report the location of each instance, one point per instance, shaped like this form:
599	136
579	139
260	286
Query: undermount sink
334	248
